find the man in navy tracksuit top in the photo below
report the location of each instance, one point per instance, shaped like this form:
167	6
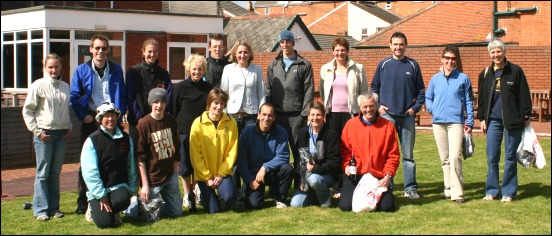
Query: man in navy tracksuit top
398	82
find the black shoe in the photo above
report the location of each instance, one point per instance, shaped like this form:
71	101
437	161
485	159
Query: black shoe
81	209
191	202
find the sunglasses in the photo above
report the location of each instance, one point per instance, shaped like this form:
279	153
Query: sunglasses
449	58
103	48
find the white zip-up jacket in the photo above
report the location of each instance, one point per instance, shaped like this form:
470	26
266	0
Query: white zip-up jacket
356	84
47	106
245	88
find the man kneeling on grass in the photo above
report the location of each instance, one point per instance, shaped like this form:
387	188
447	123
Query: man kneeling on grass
373	141
158	154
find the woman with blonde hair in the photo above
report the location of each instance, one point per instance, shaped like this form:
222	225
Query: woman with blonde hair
243	81
188	101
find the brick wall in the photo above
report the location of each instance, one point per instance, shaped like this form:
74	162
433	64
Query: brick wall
526	28
534	60
134	43
132	5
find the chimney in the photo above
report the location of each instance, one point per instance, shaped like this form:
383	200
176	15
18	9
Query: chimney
249	6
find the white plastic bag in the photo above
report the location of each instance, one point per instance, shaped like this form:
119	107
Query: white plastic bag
367	194
529	152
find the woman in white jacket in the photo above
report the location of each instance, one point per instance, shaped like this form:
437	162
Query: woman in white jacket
46	114
341	82
243	81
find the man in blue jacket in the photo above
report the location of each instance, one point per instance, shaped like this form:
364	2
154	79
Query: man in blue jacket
398	82
95	82
263	159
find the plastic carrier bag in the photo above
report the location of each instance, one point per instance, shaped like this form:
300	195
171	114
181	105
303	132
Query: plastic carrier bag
367	194
468	146
306	157
150	212
529	152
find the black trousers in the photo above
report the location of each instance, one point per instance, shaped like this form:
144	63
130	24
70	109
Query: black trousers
119	199
86	130
279	182
386	203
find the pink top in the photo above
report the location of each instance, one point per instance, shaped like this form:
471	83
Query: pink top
340	94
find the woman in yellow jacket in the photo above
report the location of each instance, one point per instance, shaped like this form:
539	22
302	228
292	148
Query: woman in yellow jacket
213	152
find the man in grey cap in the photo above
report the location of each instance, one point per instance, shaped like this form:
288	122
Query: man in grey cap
158	155
290	88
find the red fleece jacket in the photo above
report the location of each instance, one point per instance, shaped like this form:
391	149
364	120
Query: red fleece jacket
376	147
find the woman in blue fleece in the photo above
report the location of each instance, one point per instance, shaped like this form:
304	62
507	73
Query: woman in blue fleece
449	99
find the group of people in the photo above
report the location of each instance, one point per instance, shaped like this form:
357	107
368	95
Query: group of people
229	130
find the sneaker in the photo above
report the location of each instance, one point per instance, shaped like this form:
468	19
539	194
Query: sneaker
412	194
58	215
117	218
328	203
88	215
506	199
336	195
280	204
488	198
459	201
42	217
197	195
185	202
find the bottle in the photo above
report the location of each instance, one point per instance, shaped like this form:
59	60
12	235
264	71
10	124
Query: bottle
352	167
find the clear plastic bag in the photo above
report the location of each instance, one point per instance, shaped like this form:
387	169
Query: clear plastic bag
306	157
149	212
468	146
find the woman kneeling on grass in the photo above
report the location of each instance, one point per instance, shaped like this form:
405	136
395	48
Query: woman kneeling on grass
108	168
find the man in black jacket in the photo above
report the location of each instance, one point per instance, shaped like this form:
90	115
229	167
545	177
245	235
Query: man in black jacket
216	61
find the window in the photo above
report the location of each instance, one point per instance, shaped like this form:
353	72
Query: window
22	54
364	33
387	5
267	10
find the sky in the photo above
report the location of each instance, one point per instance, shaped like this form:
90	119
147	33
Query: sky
242	3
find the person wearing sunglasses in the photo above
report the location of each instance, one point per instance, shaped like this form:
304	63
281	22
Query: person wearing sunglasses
449	99
95	82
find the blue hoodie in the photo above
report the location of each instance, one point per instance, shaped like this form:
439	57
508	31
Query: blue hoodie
450	100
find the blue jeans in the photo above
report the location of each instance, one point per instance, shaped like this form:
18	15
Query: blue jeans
406	129
495	133
209	198
170	192
49	159
319	191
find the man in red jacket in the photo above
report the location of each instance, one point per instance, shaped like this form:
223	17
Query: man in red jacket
373	141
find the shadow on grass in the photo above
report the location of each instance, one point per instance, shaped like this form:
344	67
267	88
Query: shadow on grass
433	192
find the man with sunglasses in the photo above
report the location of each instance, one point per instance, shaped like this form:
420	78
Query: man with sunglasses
95	82
398	82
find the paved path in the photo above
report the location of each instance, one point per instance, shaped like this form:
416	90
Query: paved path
19	182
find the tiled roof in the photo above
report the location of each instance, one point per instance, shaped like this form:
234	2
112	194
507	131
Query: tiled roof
235	9
453	22
325	40
378	12
261	31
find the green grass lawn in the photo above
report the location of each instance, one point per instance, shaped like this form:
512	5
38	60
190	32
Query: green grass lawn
528	214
